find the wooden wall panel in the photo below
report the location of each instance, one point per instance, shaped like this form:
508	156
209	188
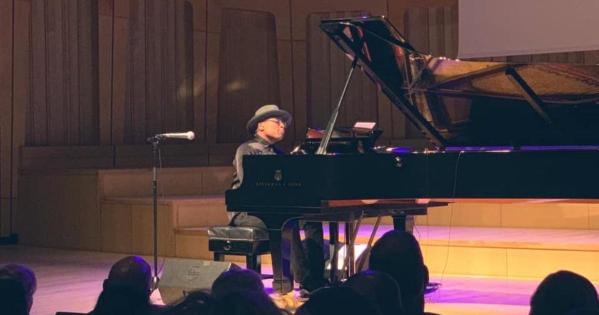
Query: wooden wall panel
278	8
317	86
92	78
37	123
170	107
156	66
114	72
416	28
65	109
327	72
56	72
385	119
15	98
248	51
450	31
88	96
437	23
591	57
152	90
135	106
184	70
320	69
199	69
398	9
301	9
100	76
248	75
422	27
199	88
286	88
72	79
106	29
300	86
6	99
263	68
120	68
116	227
22	97
58	217
319	76
212	68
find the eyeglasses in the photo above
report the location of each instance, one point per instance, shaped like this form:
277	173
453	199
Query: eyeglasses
278	122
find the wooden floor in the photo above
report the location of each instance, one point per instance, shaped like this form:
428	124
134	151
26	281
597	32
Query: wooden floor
67	280
72	280
569	239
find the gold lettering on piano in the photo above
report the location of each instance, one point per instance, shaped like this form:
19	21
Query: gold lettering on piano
278	184
278	175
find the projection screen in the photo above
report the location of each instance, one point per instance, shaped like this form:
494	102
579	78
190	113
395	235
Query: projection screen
489	28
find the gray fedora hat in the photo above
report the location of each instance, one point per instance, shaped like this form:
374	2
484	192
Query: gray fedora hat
265	112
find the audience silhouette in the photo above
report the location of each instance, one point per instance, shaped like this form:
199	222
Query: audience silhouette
127	289
561	292
380	289
194	303
398	254
246	303
584	311
17	286
237	280
393	286
337	300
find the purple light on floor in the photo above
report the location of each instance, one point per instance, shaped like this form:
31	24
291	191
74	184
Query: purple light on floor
482	291
398	150
561	148
523	148
480	149
472	290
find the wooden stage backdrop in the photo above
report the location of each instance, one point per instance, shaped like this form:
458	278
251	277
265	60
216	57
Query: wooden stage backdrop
83	83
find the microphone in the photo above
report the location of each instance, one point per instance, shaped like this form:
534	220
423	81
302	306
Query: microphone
190	135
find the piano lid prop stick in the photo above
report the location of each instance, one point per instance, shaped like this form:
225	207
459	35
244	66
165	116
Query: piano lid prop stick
359	43
322	148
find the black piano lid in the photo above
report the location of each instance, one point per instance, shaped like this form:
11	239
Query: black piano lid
475	104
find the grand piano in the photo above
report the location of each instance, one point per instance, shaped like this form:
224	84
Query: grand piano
496	130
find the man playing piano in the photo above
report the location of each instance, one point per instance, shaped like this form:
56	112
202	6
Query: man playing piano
267	127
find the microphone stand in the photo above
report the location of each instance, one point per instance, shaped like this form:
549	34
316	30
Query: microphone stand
155	140
155	152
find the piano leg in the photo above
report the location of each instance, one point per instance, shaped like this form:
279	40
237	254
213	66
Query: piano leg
280	231
334	242
349	247
282	276
399	222
405	223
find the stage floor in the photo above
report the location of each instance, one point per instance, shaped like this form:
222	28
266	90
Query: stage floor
71	281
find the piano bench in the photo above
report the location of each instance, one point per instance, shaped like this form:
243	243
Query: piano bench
250	242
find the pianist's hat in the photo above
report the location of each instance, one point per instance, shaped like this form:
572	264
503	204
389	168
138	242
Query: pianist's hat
265	112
